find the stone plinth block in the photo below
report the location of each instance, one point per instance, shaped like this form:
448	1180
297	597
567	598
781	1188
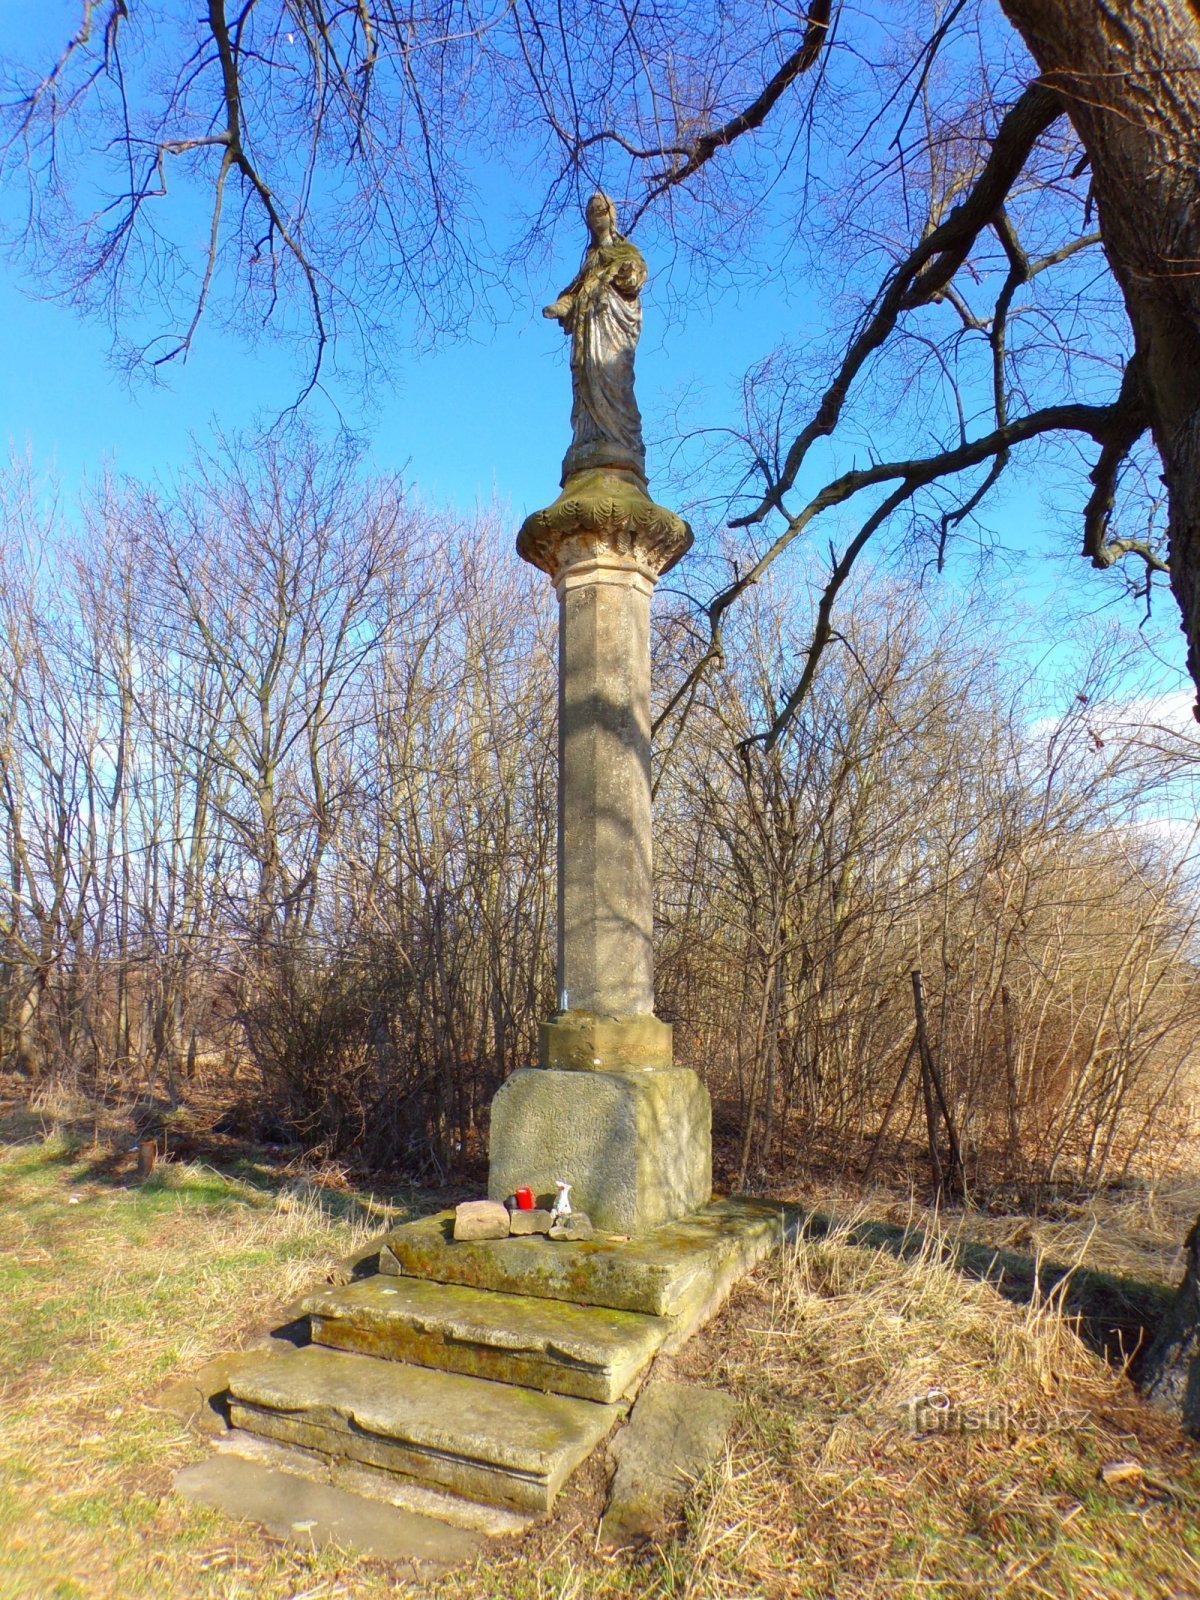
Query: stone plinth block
496	1442
580	1041
308	1514
682	1270
524	1224
636	1147
675	1432
587	1351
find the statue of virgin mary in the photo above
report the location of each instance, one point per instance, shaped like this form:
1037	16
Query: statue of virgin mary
602	313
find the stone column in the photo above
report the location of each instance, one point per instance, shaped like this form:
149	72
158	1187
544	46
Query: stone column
606	1111
605	881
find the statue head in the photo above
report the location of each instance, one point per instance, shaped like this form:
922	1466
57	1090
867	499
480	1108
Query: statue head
601	217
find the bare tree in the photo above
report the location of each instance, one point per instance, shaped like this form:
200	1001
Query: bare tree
1007	200
912	820
314	165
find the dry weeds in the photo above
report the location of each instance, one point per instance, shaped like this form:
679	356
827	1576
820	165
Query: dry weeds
1135	1231
906	1431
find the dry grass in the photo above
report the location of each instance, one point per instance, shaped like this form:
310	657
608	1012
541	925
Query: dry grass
1134	1232
107	1289
839	1485
910	1432
830	1487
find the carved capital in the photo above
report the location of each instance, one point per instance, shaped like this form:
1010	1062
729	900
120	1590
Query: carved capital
604	513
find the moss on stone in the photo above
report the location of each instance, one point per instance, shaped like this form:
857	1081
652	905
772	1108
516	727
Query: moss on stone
591	1352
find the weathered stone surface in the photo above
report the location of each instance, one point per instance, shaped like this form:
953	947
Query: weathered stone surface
308	1514
525	1223
481	1219
580	1041
575	1225
360	1263
671	1271
588	1351
602	313
607	510
674	1433
488	1441
372	1484
606	885
391	1430
199	1399
636	1147
737	1252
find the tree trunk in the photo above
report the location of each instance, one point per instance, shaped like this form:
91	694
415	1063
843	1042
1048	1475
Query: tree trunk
26	1054
1128	72
1170	1370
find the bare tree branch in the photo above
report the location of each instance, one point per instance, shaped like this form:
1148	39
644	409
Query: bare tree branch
702	150
1130	421
924	273
1095	422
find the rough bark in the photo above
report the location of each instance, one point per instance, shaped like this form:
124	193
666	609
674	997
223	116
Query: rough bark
1170	1373
1129	74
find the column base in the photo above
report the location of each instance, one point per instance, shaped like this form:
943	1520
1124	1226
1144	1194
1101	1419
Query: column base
582	1041
636	1147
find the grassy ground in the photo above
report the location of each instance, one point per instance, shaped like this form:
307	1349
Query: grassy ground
108	1288
906	1430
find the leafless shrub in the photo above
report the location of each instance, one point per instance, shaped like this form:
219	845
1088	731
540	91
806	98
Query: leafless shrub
277	795
921	816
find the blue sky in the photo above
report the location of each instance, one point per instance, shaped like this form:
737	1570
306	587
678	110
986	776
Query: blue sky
480	419
475	420
484	420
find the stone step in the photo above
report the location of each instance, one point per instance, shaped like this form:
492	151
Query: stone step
591	1352
294	1507
494	1442
370	1483
679	1270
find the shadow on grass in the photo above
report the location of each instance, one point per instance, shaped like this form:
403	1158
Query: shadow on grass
205	1169
247	1182
1117	1316
20	1125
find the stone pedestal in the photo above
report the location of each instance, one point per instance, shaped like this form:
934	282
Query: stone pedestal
635	1146
606	1111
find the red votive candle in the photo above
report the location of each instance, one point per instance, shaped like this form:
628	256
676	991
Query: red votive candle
524	1199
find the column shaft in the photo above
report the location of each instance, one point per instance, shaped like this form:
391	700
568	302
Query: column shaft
605	878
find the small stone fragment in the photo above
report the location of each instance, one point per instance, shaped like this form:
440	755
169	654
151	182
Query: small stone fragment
576	1225
481	1219
527	1222
200	1399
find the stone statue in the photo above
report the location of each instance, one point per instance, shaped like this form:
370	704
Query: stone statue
601	312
